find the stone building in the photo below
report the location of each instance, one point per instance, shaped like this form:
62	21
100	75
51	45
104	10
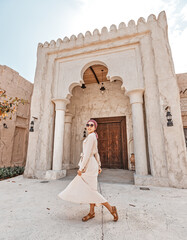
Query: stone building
14	133
133	63
182	83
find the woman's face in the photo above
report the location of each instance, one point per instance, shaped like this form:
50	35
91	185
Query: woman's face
91	127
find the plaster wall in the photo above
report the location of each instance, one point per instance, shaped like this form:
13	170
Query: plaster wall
14	138
182	84
175	150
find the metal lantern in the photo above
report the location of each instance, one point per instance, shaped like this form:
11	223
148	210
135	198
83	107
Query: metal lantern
84	133
32	127
169	118
4	125
83	86
102	88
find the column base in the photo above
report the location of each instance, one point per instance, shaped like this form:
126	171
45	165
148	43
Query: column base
175	182
67	166
39	174
55	174
149	180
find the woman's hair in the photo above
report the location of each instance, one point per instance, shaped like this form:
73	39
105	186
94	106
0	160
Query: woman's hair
95	124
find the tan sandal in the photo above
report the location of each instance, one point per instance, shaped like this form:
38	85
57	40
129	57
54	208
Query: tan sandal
114	213
88	216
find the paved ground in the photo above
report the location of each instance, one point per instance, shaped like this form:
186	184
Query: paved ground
31	210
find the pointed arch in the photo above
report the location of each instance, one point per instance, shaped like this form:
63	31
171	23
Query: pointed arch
91	64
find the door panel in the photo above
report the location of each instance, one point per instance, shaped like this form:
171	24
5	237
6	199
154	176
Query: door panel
112	144
18	154
102	131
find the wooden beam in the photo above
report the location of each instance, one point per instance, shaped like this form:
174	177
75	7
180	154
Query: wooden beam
94	74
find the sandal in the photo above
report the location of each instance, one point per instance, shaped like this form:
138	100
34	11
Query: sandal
87	217
114	213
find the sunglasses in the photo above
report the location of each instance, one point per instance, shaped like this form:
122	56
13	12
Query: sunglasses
91	125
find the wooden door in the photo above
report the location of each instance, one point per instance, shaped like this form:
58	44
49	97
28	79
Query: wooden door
112	144
19	147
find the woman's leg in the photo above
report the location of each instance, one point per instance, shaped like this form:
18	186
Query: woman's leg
91	214
108	206
92	206
112	210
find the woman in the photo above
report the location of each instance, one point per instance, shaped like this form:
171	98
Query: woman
83	188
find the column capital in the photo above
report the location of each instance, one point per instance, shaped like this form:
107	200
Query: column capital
68	117
60	103
135	95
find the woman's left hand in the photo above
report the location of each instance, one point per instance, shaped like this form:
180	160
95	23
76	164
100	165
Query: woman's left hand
79	172
100	170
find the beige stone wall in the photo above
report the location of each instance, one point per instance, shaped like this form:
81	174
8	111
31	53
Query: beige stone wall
92	104
14	139
182	83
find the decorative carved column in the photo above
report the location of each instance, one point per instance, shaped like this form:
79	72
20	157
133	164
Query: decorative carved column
67	141
136	101
60	108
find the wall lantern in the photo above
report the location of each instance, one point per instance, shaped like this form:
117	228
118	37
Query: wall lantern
32	125
102	89
83	87
4	125
169	117
84	133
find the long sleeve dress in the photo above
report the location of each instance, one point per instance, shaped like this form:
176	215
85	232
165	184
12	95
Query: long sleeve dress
83	189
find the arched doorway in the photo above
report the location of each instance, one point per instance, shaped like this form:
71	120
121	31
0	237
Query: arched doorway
105	101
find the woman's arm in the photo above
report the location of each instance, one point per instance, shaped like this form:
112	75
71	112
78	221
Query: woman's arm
88	151
97	156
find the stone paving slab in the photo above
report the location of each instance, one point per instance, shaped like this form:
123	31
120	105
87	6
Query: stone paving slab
160	213
31	210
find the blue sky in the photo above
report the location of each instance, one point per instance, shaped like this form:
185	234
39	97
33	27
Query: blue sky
25	23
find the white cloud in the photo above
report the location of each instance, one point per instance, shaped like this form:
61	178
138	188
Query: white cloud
99	13
178	36
184	13
178	41
38	22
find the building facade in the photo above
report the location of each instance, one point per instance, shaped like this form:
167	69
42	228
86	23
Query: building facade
182	83
134	64
14	133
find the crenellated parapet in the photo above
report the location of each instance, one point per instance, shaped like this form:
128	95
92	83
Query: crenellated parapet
105	34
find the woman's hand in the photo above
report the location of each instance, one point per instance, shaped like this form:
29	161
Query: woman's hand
100	170
79	172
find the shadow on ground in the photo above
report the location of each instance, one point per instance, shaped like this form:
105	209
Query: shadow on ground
107	176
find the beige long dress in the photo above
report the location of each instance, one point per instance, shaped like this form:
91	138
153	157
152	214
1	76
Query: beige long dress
83	189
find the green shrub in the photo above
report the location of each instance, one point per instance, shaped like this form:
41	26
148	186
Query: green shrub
8	172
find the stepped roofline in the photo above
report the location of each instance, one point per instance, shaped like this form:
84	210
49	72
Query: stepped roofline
105	34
